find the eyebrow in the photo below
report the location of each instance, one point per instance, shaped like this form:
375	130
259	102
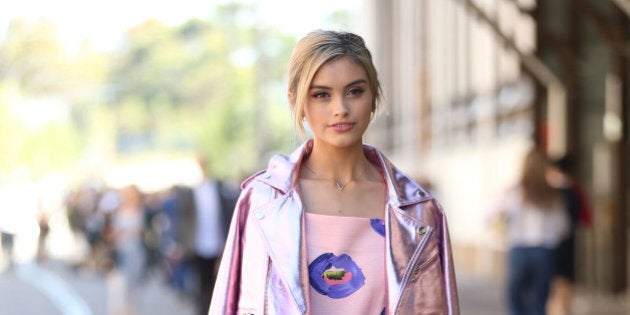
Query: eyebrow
347	85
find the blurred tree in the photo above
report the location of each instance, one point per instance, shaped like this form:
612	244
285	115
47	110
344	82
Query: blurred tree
194	87
32	56
35	125
215	87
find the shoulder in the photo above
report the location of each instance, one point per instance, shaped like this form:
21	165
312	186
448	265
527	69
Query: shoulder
252	178
256	190
406	188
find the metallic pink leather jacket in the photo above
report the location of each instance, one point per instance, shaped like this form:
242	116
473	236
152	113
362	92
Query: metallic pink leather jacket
264	268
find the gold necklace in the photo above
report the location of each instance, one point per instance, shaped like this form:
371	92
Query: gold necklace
339	185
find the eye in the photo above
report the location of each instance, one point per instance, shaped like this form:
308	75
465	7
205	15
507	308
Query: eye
319	94
355	91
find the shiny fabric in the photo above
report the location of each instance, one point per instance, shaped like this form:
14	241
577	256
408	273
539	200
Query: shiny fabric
264	267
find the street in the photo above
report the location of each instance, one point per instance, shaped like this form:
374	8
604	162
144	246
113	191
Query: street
480	297
53	288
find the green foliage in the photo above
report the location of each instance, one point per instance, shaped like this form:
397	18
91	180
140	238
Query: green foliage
197	90
49	146
214	87
34	131
32	56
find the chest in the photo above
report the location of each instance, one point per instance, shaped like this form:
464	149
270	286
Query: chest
363	199
346	264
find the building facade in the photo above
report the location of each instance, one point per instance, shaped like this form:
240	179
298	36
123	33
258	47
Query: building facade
470	85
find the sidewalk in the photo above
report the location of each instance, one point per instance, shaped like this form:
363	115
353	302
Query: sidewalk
596	303
54	288
481	297
476	296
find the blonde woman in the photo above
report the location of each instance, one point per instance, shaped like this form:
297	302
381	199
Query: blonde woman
126	235
536	222
334	227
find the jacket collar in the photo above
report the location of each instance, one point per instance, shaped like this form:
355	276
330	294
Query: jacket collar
283	170
282	174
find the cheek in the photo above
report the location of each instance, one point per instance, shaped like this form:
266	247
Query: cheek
312	112
367	109
306	114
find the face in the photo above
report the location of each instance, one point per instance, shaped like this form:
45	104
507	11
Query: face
339	103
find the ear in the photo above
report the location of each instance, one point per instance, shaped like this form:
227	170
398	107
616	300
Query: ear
291	98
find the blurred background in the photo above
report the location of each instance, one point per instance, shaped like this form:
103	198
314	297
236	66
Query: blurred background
97	97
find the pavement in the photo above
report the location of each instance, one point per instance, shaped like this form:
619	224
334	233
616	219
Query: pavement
55	289
483	297
479	297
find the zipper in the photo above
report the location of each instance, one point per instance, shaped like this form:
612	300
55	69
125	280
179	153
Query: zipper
411	270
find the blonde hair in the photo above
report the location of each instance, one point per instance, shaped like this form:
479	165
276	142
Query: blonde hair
536	189
312	52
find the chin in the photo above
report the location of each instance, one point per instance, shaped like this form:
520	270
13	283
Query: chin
342	142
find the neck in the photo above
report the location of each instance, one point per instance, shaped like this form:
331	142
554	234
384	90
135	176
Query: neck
341	165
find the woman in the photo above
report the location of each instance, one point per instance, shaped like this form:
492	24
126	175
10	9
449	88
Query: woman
335	228
126	237
536	223
577	208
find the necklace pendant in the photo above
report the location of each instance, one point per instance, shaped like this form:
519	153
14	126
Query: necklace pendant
339	186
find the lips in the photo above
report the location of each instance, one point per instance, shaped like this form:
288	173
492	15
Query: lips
335	276
342	126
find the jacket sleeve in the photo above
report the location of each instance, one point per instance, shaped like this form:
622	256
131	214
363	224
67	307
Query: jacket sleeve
226	288
448	269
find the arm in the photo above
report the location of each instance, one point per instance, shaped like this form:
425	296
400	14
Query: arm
448	269
226	288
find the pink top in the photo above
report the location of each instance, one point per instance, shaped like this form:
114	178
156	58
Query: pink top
346	258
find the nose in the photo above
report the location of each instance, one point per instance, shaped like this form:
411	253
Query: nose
339	106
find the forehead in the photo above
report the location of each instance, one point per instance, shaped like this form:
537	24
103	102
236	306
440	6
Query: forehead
340	70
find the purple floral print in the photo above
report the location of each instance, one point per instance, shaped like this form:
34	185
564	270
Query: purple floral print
335	276
379	226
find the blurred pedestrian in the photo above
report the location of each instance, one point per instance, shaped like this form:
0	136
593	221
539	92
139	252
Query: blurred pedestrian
7	237
86	223
99	230
8	230
130	258
335	228
579	211
214	203
178	208
152	230
536	222
43	223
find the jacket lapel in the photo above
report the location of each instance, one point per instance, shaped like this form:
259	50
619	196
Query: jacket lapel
406	234
281	226
405	244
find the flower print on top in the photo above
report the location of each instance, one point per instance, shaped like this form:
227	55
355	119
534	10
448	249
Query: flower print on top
346	265
378	225
335	276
